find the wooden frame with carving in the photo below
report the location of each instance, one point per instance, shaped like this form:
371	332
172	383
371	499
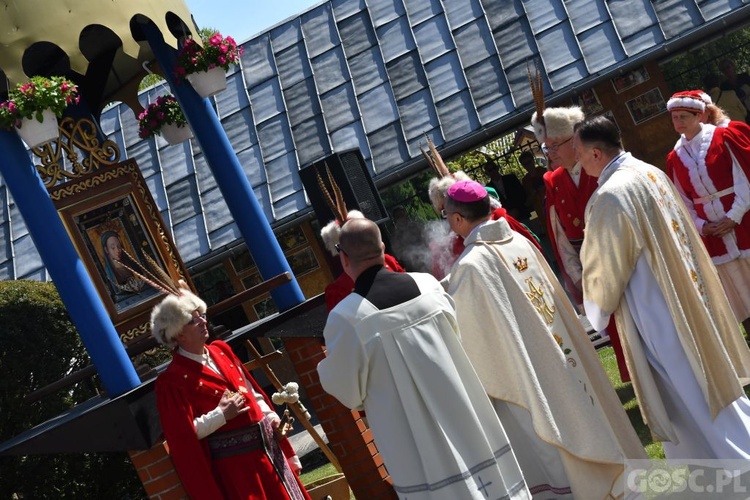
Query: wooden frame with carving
108	211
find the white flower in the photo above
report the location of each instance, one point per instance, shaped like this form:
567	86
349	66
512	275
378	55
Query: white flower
292	398
291	387
278	398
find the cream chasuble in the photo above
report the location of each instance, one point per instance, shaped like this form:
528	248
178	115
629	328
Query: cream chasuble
639	231
432	422
529	349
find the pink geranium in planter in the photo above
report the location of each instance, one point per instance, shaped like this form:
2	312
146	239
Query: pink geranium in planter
31	99
165	110
217	52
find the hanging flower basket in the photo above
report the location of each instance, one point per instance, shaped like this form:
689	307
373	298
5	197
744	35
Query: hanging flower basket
35	133
175	134
165	112
208	83
215	57
33	108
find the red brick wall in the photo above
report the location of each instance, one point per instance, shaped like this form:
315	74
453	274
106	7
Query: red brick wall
156	470
348	435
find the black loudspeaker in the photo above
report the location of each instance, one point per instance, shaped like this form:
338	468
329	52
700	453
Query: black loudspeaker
349	170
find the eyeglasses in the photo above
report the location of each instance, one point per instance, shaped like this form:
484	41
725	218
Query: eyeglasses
445	214
551	149
196	319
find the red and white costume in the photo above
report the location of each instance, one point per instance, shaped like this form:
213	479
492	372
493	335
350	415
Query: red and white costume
711	174
188	390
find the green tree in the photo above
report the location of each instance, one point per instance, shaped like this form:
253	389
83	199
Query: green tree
686	70
39	345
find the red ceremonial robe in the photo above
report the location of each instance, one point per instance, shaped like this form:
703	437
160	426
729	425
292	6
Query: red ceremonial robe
569	202
711	173
186	390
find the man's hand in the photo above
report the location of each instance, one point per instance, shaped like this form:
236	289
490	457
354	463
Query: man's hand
232	404
724	226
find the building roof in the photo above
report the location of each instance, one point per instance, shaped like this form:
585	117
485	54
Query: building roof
380	76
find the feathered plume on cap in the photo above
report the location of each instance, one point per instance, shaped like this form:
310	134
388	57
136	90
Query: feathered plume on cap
331	232
434	159
176	310
551	122
537	93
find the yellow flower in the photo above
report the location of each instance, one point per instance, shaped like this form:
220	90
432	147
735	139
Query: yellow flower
558	339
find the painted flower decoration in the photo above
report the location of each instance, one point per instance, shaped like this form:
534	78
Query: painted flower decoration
217	52
31	99
164	110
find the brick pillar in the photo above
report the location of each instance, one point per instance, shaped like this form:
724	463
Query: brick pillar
348	436
156	470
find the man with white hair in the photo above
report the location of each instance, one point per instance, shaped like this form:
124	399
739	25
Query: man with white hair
219	425
568	190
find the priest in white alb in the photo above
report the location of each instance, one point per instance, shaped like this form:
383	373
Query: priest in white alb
644	262
523	336
393	350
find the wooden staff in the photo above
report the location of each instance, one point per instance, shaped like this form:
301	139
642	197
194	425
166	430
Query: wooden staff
263	362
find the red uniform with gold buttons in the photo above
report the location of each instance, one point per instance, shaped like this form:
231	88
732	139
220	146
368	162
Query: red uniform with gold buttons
187	389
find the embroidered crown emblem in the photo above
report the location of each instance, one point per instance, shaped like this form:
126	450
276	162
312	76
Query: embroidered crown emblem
521	264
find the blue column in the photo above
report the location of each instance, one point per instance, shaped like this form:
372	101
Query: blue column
64	265
231	179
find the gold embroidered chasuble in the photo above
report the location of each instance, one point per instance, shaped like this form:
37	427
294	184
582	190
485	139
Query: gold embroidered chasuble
637	210
529	349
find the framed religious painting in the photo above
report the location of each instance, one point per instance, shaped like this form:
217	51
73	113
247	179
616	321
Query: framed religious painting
630	79
646	106
120	236
589	102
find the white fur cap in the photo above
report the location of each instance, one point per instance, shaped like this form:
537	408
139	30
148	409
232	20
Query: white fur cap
331	232
438	188
171	315
558	122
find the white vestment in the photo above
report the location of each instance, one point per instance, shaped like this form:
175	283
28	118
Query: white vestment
674	351
432	422
538	366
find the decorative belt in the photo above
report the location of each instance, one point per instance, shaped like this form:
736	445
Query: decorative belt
228	443
712	197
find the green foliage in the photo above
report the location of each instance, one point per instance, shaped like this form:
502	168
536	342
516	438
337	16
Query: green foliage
149	80
217	51
31	99
500	151
39	345
164	111
412	195
687	70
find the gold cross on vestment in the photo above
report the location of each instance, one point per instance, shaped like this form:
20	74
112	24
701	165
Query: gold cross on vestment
536	296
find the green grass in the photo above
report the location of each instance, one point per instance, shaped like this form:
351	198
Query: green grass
319	473
626	394
624	391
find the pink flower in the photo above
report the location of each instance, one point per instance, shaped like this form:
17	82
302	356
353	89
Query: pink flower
222	60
